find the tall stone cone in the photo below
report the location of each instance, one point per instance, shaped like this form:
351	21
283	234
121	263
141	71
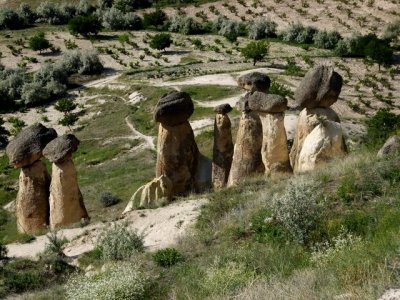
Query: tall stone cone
247	153
177	156
66	201
223	147
32	204
309	118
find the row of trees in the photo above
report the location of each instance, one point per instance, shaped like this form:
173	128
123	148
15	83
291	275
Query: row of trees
20	89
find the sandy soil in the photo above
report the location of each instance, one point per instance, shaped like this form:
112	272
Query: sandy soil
392	294
161	227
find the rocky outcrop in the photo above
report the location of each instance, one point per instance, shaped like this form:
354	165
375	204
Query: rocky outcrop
391	146
177	152
223	147
25	151
156	193
319	88
32	204
26	147
247	159
274	150
66	201
255	81
323	143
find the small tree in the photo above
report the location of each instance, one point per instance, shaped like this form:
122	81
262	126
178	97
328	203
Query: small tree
3	134
379	51
256	51
39	42
161	41
155	19
66	106
85	25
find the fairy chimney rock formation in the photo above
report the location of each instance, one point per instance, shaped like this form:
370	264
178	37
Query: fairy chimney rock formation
153	194
223	146
177	152
66	201
254	81
32	203
319	136
274	150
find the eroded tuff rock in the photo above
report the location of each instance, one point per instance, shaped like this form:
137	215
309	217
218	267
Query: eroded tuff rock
223	148
255	81
308	120
156	193
319	88
323	143
223	109
174	108
27	146
391	146
66	201
247	153
32	204
267	103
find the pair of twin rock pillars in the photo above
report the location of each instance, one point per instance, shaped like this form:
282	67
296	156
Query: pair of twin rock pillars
44	201
261	143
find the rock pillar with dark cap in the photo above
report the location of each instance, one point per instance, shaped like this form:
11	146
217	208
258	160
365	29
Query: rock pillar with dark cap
177	152
32	203
274	150
66	201
223	147
319	135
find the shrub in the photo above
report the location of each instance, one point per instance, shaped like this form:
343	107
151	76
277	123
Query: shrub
131	5
297	33
379	51
84	25
9	19
3	250
156	18
117	20
3	140
39	42
297	209
392	32
256	51
55	243
50	13
17	125
26	14
280	89
161	41
381	126
327	40
167	257
231	30
118	281
133	22
118	243
107	199
262	28
185	25
34	93
90	63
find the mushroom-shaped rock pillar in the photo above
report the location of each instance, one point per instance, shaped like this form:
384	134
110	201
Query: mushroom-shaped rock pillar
274	150
319	89
223	147
177	152
32	203
66	201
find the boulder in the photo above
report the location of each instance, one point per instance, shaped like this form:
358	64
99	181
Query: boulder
247	159
27	146
308	120
243	103
223	109
255	81
156	193
32	203
323	143
319	88
274	149
177	156
174	108
391	146
61	148
267	103
222	151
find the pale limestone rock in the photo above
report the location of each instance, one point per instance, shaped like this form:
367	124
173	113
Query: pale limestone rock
274	150
247	153
323	143
156	193
222	151
391	146
32	204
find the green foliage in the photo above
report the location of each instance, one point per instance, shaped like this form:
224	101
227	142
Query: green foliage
123	38
39	42
3	250
262	28
85	25
10	19
381	126
69	119
392	32
379	51
265	229
3	134
298	33
161	41
256	51
65	105
327	39
132	5
167	257
155	19
17	125
118	243
280	89
55	243
107	199
293	69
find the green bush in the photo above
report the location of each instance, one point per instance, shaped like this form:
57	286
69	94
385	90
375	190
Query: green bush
118	243
262	28
3	251
107	199
264	229
167	257
256	51
155	19
39	42
381	126
298	33
85	25
161	41
55	243
327	39
280	89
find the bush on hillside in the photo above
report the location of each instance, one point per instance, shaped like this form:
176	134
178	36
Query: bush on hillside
155	19
132	5
3	139
298	33
161	41
10	19
85	25
117	20
262	28
26	13
256	51
38	42
381	126
167	257
280	89
392	32
185	25
327	39
231	30
107	199
51	13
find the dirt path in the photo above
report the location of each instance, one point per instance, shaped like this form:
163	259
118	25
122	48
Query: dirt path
149	140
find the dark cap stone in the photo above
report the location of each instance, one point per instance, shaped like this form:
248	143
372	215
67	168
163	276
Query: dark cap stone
223	109
61	148
255	81
174	108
